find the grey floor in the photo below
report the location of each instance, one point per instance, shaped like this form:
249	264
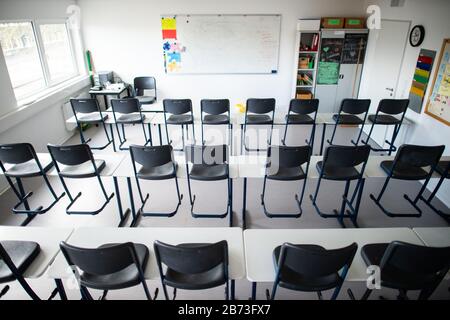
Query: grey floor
211	197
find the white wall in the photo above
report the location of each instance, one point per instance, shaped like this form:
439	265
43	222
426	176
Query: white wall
433	15
125	36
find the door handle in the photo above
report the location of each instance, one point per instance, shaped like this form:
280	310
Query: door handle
390	89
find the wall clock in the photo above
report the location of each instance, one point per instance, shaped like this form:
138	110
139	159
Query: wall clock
417	35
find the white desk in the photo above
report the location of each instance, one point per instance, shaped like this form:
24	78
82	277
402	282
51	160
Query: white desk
48	239
259	246
434	237
94	237
156	107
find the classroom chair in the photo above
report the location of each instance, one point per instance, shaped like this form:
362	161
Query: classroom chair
192	266
179	112
285	164
15	258
128	111
215	112
140	85
411	163
348	115
405	267
259	112
19	161
155	163
111	266
209	163
343	163
443	169
390	112
77	162
88	112
311	268
302	112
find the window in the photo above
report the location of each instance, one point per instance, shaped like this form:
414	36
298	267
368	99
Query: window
38	55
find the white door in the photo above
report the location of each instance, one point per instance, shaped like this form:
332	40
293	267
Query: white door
385	50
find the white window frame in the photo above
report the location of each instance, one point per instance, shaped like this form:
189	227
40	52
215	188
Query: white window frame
35	24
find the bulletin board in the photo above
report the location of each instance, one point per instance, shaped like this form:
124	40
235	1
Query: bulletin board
438	105
221	44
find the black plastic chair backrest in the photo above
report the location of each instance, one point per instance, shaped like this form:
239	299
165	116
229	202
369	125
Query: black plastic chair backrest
304	106
129	105
288	157
411	258
16	153
309	261
215	106
355	106
71	155
151	156
393	106
177	106
260	106
418	156
84	105
144	83
99	261
207	155
345	156
194	258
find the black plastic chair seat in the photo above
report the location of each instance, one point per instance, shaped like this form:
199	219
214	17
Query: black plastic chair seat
299	119
338	173
209	172
28	169
290	279
349	119
259	119
93	117
216	119
404	172
165	171
124	278
131	118
180	119
287	174
441	167
384	119
392	277
22	254
84	170
209	279
146	99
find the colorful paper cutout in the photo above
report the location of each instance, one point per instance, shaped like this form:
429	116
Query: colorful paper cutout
168	23
174	56
169	34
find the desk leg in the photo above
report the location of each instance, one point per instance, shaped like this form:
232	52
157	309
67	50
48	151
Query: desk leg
230	135
242	137
324	129
123	217
231	202
60	288
150	133
232	289
253	290
105	99
160	135
136	217
244	205
112	137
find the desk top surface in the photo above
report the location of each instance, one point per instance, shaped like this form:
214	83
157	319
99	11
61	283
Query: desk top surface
48	239
259	245
434	237
94	237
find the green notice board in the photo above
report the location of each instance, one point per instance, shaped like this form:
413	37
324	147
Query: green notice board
328	73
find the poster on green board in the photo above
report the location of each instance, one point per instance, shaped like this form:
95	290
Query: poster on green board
328	73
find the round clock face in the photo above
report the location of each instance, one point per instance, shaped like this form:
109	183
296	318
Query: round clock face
416	36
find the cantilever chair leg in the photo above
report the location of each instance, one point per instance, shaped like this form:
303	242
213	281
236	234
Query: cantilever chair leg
84	140
158	214
445	216
413	203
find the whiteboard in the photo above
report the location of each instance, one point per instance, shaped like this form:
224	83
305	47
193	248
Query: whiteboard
201	44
